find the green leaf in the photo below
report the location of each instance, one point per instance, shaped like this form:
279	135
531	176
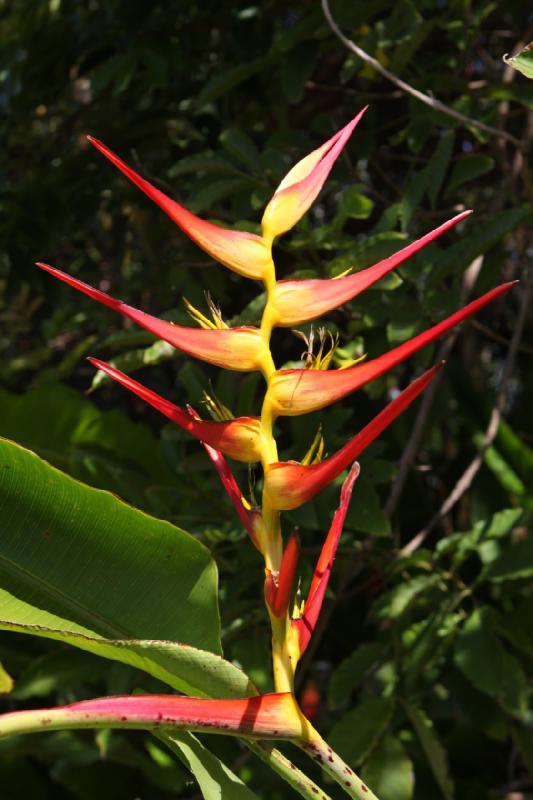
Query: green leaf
513	563
374	248
412	196
516	451
58	672
201	163
6	681
224	81
500	468
394	603
219	190
187	669
389	771
483	532
77	564
241	148
156	353
482	658
32	420
358	731
502	523
438	166
523	739
368	517
431	746
215	779
478	240
354	205
351	672
523	61
296	68
468	168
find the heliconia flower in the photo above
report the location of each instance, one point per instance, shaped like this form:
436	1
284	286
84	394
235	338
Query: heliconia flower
289	484
295	302
278	588
305	624
299	391
238	438
240	349
243	252
269	716
300	187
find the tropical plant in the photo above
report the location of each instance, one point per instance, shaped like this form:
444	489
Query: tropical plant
224	700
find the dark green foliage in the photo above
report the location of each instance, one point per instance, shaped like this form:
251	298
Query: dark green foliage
428	656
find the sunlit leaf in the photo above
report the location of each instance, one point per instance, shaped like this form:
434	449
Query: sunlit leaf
522	61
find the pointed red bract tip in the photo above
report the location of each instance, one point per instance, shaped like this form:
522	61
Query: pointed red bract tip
300	391
243	252
241	349
238	438
289	484
306	624
250	518
296	301
302	184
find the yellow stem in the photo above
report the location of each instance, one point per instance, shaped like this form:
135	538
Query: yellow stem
284	654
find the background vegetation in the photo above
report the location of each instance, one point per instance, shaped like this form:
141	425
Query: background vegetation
423	663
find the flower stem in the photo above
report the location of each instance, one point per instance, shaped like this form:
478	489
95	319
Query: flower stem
299	781
333	765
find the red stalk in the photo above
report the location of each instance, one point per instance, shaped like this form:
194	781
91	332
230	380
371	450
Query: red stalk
270	716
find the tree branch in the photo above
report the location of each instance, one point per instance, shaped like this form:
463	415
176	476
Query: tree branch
433	103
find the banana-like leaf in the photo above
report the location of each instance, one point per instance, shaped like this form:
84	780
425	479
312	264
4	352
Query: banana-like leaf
215	780
80	566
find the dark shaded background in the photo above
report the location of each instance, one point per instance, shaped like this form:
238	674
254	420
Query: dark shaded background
213	102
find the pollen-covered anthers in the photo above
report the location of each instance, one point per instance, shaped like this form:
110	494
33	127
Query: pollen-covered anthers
244	253
289	484
215	323
240	349
305	623
299	391
279	585
327	345
316	449
298	301
216	408
238	438
300	187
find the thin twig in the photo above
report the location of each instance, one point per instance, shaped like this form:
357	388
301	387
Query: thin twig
497	337
436	105
465	481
